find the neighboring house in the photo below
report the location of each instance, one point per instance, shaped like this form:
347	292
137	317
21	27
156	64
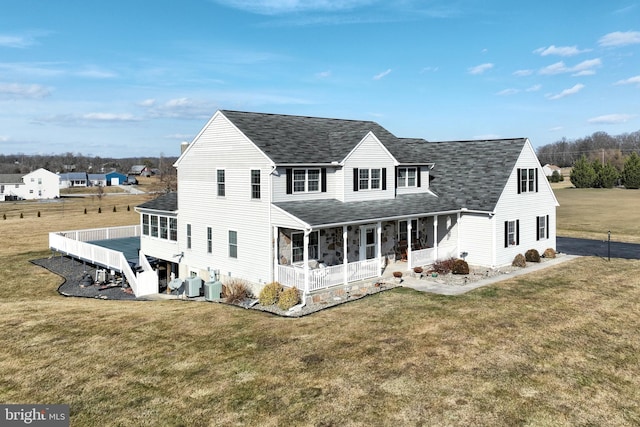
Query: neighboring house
549	169
314	202
115	178
74	179
39	184
140	170
10	186
97	179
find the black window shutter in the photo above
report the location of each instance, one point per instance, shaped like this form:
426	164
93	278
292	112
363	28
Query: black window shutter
289	173
419	180
547	226
536	180
506	234
517	231
397	175
384	178
323	178
355	179
537	228
518	180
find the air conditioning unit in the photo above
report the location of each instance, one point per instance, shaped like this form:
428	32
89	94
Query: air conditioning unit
101	276
193	285
212	290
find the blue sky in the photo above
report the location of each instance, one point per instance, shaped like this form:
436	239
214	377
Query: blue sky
134	78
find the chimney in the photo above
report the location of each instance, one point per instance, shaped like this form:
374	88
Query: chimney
183	146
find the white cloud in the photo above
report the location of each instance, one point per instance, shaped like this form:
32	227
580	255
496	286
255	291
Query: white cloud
583	68
323	74
523	73
556	128
619	38
571	91
96	73
507	92
429	70
611	119
533	88
629	81
276	7
87	119
15	90
147	103
479	69
559	50
382	74
109	117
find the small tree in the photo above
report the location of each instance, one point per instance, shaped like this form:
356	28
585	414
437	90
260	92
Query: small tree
608	176
555	176
631	172
582	173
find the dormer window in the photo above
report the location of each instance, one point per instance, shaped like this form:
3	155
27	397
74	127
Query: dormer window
306	180
369	179
407	177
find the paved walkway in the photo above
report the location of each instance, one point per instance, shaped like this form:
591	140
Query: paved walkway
445	289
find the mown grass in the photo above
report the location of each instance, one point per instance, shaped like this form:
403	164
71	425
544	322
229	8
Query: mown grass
558	347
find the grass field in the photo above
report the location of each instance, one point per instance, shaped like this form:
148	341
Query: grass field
555	348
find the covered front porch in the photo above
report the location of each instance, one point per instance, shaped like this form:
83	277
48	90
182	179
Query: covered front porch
317	258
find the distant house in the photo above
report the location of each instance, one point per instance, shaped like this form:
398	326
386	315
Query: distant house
39	184
74	179
97	179
140	170
549	169
115	178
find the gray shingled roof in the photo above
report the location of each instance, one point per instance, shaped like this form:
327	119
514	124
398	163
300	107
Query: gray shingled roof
11	178
303	140
167	202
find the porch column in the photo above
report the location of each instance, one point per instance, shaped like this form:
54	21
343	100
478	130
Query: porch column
435	238
305	260
276	256
459	232
409	243
379	241
345	259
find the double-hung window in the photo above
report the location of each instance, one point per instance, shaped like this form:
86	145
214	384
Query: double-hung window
233	244
297	246
527	180
369	179
154	226
188	236
145	224
306	180
173	229
221	184
255	184
209	240
163	227
511	233
407	177
542	227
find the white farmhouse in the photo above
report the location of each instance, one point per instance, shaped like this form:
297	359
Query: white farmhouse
316	202
39	184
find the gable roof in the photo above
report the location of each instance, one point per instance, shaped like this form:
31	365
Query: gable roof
11	178
73	175
304	140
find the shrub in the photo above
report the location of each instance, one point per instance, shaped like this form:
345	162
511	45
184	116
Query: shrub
519	261
460	266
270	293
4	216
38	214
114	208
549	253
99	210
532	255
288	298
128	208
235	291
443	266
21	216
85	211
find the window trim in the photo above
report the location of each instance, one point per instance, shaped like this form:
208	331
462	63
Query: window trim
508	243
403	182
233	243
221	183
189	241
542	227
527	180
209	240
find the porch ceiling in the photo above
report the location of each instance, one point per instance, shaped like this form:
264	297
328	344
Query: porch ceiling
325	212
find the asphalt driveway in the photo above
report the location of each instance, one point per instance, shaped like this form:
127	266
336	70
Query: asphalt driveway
601	248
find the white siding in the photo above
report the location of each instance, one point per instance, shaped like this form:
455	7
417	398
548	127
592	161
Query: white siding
369	154
525	207
40	184
160	248
424	183
448	229
477	238
221	145
280	185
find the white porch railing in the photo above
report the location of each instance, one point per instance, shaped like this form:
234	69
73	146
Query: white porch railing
74	243
423	257
325	277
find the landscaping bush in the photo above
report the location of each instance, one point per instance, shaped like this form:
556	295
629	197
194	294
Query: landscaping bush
460	266
519	261
270	293
288	298
443	266
235	291
549	253
532	255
